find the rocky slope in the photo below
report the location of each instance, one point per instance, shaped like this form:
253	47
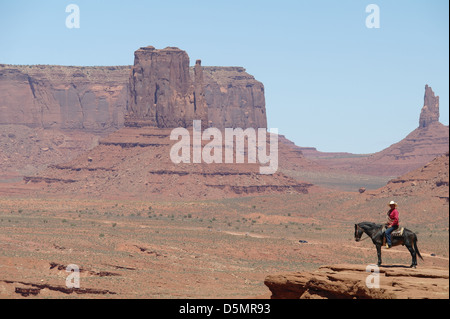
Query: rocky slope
25	150
431	179
349	282
134	162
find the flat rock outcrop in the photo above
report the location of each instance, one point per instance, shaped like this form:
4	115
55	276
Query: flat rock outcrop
350	282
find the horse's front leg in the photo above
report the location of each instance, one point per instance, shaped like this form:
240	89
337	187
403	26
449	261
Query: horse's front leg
379	254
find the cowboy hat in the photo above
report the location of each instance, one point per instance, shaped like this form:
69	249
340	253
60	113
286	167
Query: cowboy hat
393	203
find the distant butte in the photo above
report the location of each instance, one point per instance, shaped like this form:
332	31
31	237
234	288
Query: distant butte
428	141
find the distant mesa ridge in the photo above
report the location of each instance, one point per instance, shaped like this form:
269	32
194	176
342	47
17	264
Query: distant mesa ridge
159	90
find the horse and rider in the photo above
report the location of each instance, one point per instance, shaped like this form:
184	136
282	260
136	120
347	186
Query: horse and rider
383	233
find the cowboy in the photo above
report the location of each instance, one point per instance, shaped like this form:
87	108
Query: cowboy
392	223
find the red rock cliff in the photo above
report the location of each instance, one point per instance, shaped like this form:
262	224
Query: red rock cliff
162	93
159	90
63	97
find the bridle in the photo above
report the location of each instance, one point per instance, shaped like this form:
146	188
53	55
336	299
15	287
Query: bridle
363	232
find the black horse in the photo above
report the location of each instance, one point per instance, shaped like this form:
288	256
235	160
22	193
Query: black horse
375	232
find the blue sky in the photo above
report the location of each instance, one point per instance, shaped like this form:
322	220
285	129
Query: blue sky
331	82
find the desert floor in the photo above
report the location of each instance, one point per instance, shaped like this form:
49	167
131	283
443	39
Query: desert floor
202	249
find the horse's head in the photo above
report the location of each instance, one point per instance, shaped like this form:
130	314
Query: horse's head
358	232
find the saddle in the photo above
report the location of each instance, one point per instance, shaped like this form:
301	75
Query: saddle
396	233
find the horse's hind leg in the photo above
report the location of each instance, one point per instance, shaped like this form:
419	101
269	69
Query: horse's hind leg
413	255
379	254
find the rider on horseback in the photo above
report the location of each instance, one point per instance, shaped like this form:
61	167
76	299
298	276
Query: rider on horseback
392	223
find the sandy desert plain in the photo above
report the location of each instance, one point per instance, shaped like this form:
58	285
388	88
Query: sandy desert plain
196	249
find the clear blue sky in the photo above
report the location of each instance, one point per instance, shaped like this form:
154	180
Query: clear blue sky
330	82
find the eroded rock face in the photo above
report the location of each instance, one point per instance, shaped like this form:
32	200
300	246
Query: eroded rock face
234	98
85	98
350	282
430	110
162	93
160	90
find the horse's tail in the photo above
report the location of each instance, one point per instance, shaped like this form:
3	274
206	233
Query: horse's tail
415	247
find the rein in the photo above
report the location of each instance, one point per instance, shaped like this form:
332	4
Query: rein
365	237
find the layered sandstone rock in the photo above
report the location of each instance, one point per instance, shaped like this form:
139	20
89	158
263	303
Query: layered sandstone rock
234	98
135	162
431	180
352	282
162	93
95	99
91	99
166	93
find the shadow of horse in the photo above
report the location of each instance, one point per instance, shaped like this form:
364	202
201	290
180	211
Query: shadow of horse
395	266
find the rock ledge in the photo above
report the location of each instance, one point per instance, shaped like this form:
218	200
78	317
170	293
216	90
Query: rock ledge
348	281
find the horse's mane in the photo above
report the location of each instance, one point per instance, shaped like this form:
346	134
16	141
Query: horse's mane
369	225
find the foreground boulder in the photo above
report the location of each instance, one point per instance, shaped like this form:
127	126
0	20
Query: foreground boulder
349	282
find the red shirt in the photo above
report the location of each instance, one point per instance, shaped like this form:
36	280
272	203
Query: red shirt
393	217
